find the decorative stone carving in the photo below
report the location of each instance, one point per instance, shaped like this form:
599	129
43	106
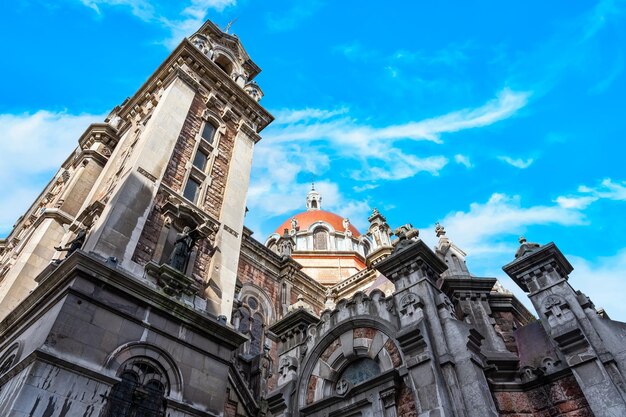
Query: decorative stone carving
343	386
557	311
287	369
409	304
173	282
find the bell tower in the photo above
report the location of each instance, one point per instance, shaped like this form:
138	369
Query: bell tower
125	267
175	155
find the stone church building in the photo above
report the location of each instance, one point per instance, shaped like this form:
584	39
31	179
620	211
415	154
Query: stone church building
132	288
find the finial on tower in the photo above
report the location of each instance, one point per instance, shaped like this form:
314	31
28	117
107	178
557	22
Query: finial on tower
526	247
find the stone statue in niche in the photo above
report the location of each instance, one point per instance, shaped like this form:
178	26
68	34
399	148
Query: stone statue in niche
183	246
75	244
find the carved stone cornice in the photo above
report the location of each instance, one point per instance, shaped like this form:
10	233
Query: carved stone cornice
188	62
541	261
99	132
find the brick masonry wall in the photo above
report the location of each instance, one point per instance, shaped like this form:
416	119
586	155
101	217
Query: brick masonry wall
562	398
505	326
406	402
183	150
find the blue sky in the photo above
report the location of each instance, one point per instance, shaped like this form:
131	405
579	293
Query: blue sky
495	118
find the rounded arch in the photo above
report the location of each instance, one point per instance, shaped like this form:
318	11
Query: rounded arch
225	60
250	289
128	351
331	351
321	224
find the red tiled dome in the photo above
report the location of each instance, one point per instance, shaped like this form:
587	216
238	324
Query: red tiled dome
307	218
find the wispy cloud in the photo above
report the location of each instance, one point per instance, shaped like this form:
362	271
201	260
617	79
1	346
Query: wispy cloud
44	139
481	229
180	24
517	162
139	8
345	131
607	189
304	144
377	147
463	160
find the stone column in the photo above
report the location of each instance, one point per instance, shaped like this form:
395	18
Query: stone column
542	271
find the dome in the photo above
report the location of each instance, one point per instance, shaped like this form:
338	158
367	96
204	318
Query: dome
307	218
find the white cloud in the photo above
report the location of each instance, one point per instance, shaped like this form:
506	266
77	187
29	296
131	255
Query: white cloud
517	163
191	18
607	189
476	230
345	131
44	139
304	143
365	187
578	203
463	160
288	116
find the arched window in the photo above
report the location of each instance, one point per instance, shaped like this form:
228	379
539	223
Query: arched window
252	323
224	63
320	239
140	392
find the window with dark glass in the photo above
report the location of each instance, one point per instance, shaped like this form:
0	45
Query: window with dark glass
140	392
208	132
191	190
199	161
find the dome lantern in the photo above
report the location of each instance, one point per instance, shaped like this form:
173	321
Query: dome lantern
313	199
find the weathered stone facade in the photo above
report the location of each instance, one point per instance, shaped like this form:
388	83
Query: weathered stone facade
132	288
